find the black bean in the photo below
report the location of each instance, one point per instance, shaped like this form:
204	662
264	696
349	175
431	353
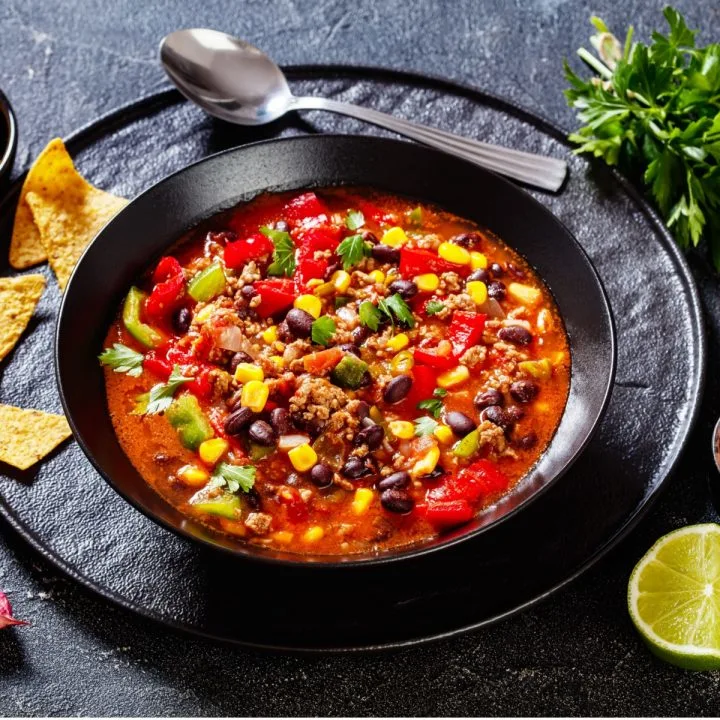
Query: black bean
397	501
524	390
386	254
181	320
496	290
350	348
363	410
487	398
248	292
438	472
397	389
360	334
252	498
239	357
497	270
459	423
366	380
282	226
513	413
237	420
332	268
495	415
515	334
479	274
526	442
280	420
467	240
321	475
371	436
399	479
516	271
355	468
299	322
262	433
406	289
284	333
369	237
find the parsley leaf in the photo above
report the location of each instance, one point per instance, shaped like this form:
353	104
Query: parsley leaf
122	359
433	406
161	395
400	309
433	306
369	315
424	426
439	392
235	477
355	219
415	216
322	330
284	254
341	300
352	250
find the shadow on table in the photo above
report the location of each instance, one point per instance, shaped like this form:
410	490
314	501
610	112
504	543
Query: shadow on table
12	654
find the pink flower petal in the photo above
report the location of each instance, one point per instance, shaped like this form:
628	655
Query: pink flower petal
6	618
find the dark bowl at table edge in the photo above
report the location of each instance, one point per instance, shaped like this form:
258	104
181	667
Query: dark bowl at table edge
9	136
174	187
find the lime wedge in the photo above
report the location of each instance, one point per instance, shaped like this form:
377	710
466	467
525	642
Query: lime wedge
674	597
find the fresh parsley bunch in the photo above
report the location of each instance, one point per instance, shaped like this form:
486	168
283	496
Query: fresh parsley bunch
654	111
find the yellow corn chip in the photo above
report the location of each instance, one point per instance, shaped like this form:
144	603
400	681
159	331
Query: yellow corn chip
27	436
18	298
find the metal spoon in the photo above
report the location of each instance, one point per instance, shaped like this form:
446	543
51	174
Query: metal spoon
233	80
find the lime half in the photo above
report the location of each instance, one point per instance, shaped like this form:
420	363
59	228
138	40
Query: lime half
674	597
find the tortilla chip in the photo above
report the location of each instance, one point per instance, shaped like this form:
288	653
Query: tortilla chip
56	184
27	436
18	298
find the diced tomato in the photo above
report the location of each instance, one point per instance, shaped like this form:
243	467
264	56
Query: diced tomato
316	362
372	212
169	289
422	389
307	205
156	364
465	331
275	295
237	253
472	483
296	508
168	267
445	513
308	268
440	362
318	237
415	261
201	386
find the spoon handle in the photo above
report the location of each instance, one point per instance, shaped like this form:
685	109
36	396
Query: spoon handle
537	170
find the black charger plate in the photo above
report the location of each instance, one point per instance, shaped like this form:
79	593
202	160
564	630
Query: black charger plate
65	510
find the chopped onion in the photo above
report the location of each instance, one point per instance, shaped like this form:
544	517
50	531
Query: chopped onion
492	308
288	442
348	315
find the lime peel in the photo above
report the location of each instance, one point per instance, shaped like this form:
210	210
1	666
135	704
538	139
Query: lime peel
674	597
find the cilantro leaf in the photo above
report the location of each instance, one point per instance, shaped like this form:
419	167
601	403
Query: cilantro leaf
424	426
439	392
400	309
122	359
322	330
355	219
284	254
415	216
352	250
161	395
433	406
235	477
369	315
433	306
341	300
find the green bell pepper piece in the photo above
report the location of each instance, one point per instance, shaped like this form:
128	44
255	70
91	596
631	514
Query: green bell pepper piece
349	372
207	284
143	333
189	420
468	445
258	452
224	506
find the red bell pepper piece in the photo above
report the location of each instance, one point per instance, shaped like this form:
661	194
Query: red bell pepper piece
478	480
465	331
201	386
276	295
307	205
415	261
296	508
158	365
372	212
169	289
318	237
238	253
422	388
308	268
445	513
440	362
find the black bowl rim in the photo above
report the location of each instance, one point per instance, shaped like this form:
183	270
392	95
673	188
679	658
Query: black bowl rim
8	153
414	551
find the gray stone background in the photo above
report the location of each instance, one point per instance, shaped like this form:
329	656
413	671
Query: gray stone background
64	63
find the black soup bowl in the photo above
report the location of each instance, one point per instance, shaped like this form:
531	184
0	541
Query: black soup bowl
157	218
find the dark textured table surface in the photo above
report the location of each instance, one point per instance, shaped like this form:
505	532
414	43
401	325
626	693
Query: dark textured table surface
63	64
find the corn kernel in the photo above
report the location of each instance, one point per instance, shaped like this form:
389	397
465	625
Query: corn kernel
478	261
282	537
398	342
254	395
454	253
277	361
453	377
426	464
428	282
394	237
211	451
477	290
313	534
444	434
314	282
270	334
376	416
245	372
193	476
402	429
402	362
324	289
391	276
302	457
524	293
540	369
310	304
340	281
377	276
361	501
204	315
558	357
